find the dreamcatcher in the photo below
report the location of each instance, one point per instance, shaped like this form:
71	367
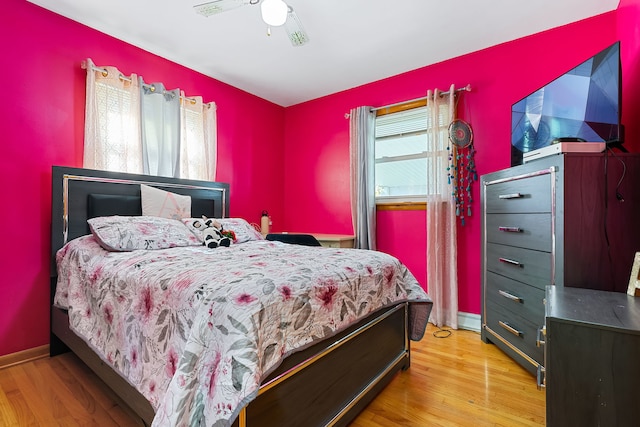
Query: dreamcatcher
462	169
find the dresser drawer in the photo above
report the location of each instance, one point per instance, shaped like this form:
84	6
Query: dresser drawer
531	231
521	299
526	195
524	265
515	329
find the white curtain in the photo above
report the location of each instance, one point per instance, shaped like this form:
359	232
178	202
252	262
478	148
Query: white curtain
362	168
135	127
112	121
442	278
198	138
160	124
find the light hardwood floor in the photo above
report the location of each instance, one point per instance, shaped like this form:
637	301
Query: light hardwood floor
454	381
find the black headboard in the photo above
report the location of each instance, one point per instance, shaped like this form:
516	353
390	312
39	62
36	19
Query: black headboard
79	194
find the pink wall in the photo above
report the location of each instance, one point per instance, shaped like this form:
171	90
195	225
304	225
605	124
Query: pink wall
42	125
629	34
317	134
402	234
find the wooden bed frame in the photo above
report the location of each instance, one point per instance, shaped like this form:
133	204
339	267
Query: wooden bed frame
327	384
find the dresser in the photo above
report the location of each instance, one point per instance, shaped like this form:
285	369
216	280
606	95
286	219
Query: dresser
556	221
592	355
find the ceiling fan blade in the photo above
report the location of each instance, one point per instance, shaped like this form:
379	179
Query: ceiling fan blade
295	31
218	6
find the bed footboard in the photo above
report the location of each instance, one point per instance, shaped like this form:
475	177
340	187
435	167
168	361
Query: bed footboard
331	387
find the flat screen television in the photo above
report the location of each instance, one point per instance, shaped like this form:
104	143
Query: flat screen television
584	104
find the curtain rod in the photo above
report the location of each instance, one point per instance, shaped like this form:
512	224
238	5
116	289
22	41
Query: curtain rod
105	73
467	88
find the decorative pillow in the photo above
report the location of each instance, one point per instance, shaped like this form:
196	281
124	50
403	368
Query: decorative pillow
129	233
157	202
243	230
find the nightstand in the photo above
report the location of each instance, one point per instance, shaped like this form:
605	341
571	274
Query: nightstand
591	350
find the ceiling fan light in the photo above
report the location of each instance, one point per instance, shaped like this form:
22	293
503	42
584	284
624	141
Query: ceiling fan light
274	12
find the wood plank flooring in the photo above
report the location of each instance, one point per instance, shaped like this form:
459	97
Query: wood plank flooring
454	381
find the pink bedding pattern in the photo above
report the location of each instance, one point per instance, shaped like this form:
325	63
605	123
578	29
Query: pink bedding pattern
195	330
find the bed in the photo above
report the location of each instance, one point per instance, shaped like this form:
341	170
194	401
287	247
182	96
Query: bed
314	375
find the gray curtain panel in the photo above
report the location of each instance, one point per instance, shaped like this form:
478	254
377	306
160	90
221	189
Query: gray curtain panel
363	198
160	129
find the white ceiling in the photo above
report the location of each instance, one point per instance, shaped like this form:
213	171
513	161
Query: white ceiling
352	42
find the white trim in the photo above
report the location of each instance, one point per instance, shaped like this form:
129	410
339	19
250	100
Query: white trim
469	321
24	356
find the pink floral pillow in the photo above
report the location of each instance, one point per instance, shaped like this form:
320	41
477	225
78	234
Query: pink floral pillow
129	233
243	230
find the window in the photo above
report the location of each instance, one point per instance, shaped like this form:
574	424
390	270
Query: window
177	127
198	139
116	128
402	157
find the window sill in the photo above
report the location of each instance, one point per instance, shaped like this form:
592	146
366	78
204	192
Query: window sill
401	206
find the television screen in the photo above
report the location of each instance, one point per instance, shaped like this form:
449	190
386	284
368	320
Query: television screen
582	105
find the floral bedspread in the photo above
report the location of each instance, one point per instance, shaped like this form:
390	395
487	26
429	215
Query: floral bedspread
195	330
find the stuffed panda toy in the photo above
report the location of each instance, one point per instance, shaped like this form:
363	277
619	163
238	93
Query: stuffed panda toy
212	233
213	238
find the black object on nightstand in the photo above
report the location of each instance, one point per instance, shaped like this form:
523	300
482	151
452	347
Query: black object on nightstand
296	239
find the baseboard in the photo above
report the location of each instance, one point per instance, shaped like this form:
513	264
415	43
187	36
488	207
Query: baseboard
24	356
469	321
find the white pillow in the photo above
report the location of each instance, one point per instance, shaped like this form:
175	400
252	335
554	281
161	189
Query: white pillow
164	204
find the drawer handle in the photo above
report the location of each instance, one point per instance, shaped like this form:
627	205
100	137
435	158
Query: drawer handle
540	339
510	229
510	328
509	296
511	261
541	377
510	196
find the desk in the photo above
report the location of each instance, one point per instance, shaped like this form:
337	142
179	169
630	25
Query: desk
329	240
335	240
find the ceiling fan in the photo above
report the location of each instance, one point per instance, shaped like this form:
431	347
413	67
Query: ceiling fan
275	13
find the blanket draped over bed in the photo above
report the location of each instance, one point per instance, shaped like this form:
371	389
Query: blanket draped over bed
196	330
